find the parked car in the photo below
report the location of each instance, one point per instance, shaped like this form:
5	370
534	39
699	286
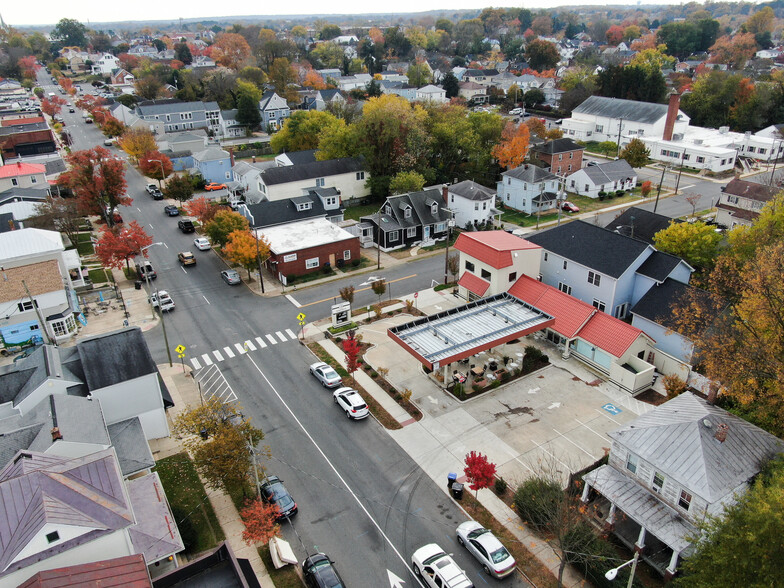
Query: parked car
516	111
157	194
437	569
319	572
162	299
274	492
71	109
569	207
108	142
88	121
202	243
145	270
186	226
231	277
171	210
151	188
215	186
186	258
494	558
324	373
351	402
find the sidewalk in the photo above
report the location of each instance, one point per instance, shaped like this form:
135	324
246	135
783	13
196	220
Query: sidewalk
184	391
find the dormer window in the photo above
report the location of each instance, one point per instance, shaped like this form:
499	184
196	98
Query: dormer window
407	212
434	209
304	206
387	209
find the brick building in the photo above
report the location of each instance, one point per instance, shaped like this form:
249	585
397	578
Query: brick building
561	156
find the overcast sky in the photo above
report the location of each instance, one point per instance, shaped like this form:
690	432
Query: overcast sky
43	12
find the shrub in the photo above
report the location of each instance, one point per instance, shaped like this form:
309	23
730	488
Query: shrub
383	371
620	193
495	384
458	390
406	394
354	263
500	486
373	374
476	387
536	500
409	305
673	385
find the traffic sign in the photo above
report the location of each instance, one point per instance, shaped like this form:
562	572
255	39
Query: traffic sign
301	317
416	294
180	349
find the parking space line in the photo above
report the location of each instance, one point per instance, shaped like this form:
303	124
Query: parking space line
281	336
249	344
290	333
552	455
195	363
573	443
217	355
525	465
261	342
240	349
271	339
228	352
604	437
206	359
606	415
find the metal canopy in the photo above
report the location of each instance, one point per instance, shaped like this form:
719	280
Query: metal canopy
455	334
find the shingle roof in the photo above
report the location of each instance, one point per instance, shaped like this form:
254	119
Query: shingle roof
629	110
658	302
473	283
212	154
751	190
276	212
471	190
133	451
659	265
300	157
115	357
40	278
591	246
646	224
530	173
678	439
558	146
611	171
153	107
492	247
309	171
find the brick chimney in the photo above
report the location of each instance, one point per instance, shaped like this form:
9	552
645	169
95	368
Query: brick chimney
672	115
231	156
721	432
56	434
713	392
445	193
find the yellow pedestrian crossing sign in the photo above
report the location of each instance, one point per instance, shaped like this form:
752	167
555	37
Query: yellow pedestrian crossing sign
301	317
180	349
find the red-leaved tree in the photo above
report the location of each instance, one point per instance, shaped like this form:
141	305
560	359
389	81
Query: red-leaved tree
97	180
29	66
479	471
53	105
646	188
203	209
121	244
155	165
351	349
260	520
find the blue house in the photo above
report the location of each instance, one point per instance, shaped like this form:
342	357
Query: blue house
528	188
273	110
214	165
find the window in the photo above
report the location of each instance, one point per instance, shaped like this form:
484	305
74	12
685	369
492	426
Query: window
469	266
508	180
453	198
304	206
658	482
484	205
434	209
312	263
53	536
476	206
598	304
440	227
700	159
407	212
594	278
631	463
332	201
14	182
64	327
393	236
319	182
388	209
684	501
564	288
33	179
545	255
512	276
621	310
723	161
26	305
560	157
290	257
733	199
571	155
762	151
486	275
750	149
599	128
411	232
571	183
570	167
347	254
564	264
360	175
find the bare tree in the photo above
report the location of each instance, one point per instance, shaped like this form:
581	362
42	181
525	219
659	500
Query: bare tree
453	265
693	199
347	294
59	214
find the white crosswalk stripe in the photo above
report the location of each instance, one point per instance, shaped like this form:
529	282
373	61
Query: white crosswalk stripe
290	334
249	344
228	351
272	339
281	336
217	355
206	359
240	349
261	342
195	363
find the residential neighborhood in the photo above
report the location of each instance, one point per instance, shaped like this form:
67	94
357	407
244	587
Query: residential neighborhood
369	299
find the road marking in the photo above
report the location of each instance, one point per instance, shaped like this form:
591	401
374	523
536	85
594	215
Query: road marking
603	437
290	333
551	455
151	227
228	352
249	344
261	342
217	355
355	291
240	349
195	363
183	270
205	299
573	443
294	302
271	339
281	336
206	359
604	414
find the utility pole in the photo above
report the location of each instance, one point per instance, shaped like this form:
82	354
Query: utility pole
378	240
680	171
258	260
775	161
661	181
255	466
163	324
620	126
47	337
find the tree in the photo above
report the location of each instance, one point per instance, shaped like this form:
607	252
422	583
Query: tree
419	74
218	436
97	180
406	181
240	249
646	188
636	153
697	243
112	127
632	82
479	471
121	243
148	87
328	55
734	51
156	165
303	130
614	35
542	55
352	349
282	77
180	188
59	214
453	265
52	106
183	53
513	148
607	147
248	96
137	142
329	32
653	60
533	97
28	66
70	33
202	207
347	294
450	84
231	50
379	287
260	520
223	224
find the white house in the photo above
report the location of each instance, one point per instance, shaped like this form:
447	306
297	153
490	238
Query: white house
605	177
105	65
431	92
471	204
528	188
741	201
23	175
347	175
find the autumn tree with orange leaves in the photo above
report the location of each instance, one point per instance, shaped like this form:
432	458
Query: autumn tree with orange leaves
260	520
513	148
121	244
203	209
52	106
735	51
155	165
137	142
231	50
241	249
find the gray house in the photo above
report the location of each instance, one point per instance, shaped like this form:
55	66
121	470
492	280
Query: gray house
670	468
595	180
528	188
273	110
315	203
177	115
604	268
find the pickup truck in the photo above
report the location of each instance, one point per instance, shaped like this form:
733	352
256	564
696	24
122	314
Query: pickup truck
186	226
163	300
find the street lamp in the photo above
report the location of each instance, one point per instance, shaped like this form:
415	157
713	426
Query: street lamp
613	573
449	224
160	162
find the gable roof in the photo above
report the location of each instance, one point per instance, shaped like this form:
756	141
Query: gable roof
15	169
678	439
628	110
129	571
276	212
611	171
492	247
41	278
471	190
269	99
657	303
660	265
172	105
473	283
751	190
646	223
309	171
421	209
593	247
558	146
530	173
115	357
300	157
212	154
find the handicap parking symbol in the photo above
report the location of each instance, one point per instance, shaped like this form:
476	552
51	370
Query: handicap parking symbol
611	408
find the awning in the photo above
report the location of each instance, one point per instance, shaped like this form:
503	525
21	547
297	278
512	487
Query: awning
473	283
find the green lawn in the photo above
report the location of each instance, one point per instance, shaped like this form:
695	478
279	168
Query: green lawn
100	276
192	510
355	212
285	577
83	244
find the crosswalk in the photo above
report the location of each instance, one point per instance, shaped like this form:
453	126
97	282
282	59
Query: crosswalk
218	355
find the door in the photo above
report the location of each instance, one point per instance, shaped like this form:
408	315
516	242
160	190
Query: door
331	260
426	232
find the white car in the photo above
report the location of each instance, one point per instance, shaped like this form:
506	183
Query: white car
351	402
324	373
486	548
437	569
162	299
202	243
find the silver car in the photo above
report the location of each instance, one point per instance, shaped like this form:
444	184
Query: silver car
351	402
231	277
496	561
324	373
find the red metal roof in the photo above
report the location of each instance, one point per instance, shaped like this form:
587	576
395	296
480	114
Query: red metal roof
492	247
18	168
609	333
129	572
474	283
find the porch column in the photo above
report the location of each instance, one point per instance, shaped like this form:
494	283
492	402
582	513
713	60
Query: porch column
609	522
640	544
586	490
447	375
566	353
670	571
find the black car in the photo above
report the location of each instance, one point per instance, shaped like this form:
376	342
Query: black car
274	492
186	226
319	572
171	210
157	194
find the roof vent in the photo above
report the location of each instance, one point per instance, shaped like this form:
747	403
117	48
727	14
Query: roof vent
706	423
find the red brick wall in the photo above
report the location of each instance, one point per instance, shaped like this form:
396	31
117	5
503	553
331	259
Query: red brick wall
576	161
323	252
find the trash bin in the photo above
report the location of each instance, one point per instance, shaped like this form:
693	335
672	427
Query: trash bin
457	490
137	284
450	479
